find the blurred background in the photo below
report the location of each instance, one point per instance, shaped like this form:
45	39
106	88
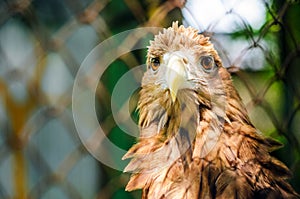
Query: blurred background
44	42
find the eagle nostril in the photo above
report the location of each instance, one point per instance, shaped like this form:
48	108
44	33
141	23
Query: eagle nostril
185	61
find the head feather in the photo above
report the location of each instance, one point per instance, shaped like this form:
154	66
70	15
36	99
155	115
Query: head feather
177	38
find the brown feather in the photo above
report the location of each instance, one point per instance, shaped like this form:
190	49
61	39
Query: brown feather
203	144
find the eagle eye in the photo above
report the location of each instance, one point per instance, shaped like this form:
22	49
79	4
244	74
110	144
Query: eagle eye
154	63
207	63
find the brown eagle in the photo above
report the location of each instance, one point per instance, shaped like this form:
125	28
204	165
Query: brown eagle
196	138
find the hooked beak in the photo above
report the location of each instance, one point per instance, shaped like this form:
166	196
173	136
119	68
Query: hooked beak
175	74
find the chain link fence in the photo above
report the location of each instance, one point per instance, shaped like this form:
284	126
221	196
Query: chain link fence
42	46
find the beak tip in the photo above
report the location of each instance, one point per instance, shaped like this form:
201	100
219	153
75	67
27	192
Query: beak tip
173	96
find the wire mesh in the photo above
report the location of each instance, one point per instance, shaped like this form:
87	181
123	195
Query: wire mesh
42	45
